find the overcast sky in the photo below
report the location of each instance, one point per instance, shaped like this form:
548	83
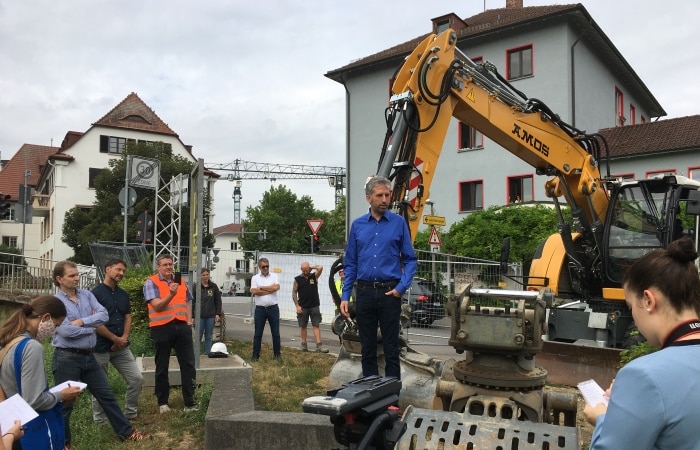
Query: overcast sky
245	80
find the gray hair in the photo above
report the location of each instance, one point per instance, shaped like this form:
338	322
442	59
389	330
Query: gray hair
376	181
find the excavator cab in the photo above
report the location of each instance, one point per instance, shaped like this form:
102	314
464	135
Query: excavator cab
645	215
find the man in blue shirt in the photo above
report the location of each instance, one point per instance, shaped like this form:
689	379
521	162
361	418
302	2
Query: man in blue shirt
380	263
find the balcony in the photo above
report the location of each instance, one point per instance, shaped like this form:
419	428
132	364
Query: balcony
41	205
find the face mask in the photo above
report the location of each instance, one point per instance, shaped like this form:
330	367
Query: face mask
46	329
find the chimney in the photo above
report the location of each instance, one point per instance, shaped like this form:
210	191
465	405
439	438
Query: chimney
513	4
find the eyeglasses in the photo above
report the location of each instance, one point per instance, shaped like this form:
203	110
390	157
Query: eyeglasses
264	267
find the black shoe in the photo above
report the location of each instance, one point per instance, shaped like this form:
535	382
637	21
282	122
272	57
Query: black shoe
254	359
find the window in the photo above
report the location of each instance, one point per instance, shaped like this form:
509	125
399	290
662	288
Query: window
471	195
520	189
469	138
94	172
242	265
10	241
624	176
112	144
633	115
619	108
656	173
520	62
442	26
694	173
234	245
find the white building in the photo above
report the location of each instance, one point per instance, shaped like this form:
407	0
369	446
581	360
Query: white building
66	180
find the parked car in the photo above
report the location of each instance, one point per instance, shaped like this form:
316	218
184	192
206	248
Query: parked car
426	306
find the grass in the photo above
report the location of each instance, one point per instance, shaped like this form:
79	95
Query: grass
300	375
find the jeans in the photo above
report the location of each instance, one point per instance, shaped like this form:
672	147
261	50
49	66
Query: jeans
124	361
175	335
76	367
373	307
206	328
271	314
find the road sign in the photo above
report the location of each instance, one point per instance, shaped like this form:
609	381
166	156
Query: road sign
434	220
434	237
315	225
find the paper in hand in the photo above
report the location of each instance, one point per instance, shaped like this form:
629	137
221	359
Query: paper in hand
15	408
592	392
67	384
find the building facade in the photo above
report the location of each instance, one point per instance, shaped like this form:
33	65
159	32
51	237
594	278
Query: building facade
556	53
65	179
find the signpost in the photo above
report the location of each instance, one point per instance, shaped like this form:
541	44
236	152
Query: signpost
434	240
314	225
434	220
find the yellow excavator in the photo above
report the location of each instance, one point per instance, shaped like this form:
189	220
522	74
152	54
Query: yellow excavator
495	397
614	222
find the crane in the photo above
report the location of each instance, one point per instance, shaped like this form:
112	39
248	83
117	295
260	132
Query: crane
248	170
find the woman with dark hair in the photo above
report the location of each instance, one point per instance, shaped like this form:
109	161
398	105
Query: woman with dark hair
22	370
655	400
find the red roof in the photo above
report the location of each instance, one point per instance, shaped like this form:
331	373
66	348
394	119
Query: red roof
682	133
132	113
28	157
232	228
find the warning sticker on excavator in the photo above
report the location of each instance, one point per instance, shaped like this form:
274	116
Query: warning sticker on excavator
470	96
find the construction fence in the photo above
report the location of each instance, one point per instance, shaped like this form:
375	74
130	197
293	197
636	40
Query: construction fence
446	274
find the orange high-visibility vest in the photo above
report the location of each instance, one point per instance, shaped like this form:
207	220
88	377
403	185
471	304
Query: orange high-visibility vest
176	309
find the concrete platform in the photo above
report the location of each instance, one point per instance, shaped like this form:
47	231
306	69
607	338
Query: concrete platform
209	370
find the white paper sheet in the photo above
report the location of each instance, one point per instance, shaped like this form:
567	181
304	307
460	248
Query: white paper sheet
67	384
15	408
592	392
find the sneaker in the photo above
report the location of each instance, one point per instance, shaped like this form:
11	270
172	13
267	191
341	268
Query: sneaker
193	408
304	347
254	359
164	409
136	435
321	349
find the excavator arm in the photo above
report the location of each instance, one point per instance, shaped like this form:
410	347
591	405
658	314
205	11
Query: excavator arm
438	82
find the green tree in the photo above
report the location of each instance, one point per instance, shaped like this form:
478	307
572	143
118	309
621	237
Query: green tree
283	216
103	221
480	235
333	230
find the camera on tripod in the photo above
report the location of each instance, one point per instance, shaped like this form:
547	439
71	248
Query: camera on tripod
364	412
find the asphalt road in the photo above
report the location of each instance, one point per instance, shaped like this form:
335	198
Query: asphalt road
238	312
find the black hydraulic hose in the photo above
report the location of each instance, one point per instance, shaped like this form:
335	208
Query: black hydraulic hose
607	153
386	416
335	267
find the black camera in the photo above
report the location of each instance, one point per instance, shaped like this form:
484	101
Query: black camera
364	412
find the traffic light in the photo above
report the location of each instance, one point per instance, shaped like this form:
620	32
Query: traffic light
310	242
316	244
4	206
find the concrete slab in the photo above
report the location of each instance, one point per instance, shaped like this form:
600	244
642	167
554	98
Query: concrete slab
209	369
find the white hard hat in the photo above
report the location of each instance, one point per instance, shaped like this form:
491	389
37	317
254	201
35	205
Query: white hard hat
219	347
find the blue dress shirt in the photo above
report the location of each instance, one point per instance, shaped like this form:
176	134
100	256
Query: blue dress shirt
90	311
379	250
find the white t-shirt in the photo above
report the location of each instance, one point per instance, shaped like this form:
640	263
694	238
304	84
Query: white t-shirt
259	281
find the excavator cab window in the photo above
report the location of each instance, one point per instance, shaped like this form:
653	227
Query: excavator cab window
634	227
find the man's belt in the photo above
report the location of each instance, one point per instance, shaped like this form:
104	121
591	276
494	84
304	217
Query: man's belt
79	351
377	284
266	307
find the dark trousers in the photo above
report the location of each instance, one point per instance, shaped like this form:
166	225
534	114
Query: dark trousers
77	367
272	315
175	335
374	308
